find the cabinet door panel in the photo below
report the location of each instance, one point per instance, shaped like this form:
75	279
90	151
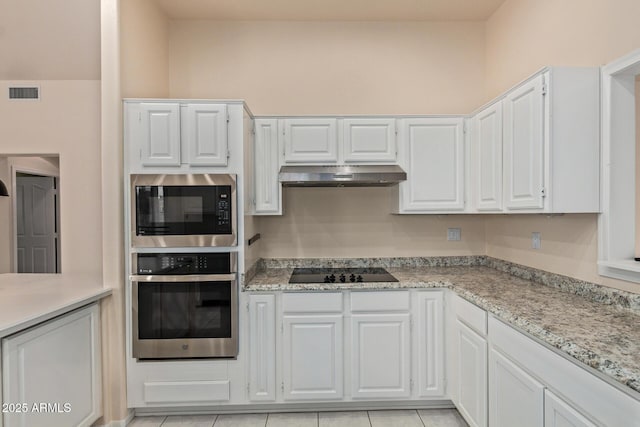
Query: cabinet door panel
206	134
380	356
434	157
515	398
558	413
524	146
472	376
487	149
58	363
431	344
268	191
369	140
312	357
160	134
262	348
310	140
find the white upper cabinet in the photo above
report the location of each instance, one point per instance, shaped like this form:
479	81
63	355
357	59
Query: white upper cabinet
537	148
486	153
159	136
205	134
267	188
524	146
176	135
369	140
432	154
310	140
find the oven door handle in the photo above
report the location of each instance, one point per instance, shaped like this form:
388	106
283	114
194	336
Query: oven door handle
186	278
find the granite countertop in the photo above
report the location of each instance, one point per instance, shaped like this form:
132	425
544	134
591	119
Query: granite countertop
564	313
29	299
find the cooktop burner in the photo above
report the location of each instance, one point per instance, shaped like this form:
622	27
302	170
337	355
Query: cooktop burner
341	275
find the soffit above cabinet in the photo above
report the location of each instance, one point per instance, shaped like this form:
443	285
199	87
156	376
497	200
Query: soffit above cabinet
331	10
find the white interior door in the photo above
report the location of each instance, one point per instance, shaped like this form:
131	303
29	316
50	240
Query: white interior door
36	230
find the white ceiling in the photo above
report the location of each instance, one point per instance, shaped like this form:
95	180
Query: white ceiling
331	10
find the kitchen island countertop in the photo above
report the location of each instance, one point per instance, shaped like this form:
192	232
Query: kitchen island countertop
29	299
605	337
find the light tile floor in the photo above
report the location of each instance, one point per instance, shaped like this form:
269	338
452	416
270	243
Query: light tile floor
398	418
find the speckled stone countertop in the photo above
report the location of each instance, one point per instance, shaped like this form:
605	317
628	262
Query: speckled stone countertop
597	326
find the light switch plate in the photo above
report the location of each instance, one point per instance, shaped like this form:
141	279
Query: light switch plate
535	240
453	234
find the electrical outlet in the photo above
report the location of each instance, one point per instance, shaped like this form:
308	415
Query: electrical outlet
535	240
453	234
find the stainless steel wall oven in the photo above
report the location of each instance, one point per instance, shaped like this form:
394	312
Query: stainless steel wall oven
184	305
183	210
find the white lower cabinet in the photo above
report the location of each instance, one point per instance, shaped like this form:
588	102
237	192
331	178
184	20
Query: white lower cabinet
472	375
380	356
515	398
312	357
262	347
558	413
430	341
54	369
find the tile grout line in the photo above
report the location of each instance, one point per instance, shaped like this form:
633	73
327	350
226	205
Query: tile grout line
369	417
266	420
420	418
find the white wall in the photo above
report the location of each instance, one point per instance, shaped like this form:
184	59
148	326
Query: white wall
50	40
66	122
339	68
522	36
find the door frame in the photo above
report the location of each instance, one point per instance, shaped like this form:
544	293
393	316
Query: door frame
15	169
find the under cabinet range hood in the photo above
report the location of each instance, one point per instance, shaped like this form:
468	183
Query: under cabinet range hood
342	176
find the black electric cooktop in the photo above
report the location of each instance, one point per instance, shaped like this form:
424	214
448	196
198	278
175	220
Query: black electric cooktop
341	275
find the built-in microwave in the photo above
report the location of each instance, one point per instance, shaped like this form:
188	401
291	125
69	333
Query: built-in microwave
184	305
183	210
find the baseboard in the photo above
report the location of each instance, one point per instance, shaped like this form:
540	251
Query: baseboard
119	423
299	407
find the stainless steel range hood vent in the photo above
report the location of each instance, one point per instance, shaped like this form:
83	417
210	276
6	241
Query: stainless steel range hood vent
341	176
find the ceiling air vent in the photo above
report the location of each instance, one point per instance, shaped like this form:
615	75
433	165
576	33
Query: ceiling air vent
24	92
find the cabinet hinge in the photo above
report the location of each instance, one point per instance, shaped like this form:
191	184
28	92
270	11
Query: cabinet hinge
282	327
543	192
248	388
247	305
228	120
544	86
228	154
282	386
464	127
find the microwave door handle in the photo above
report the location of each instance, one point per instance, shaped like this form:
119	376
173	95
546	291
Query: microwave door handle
185	278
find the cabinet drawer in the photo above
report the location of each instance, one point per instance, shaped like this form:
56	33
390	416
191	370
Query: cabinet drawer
312	302
472	315
380	301
186	391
